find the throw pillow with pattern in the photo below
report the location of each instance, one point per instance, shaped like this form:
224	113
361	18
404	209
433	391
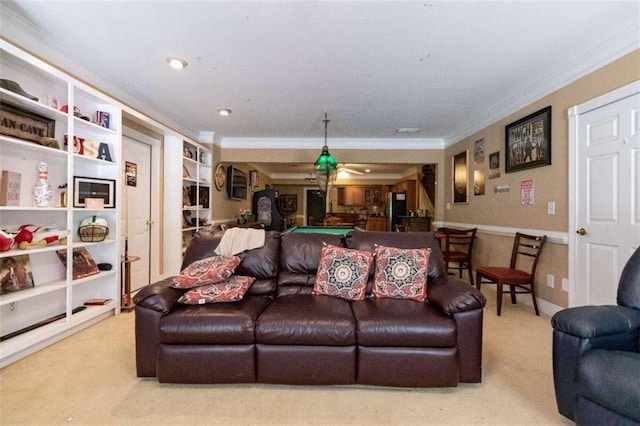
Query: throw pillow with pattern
401	273
343	273
230	290
206	271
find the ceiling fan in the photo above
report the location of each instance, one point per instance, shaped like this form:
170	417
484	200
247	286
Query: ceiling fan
342	168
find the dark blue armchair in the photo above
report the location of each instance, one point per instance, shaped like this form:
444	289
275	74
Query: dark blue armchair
596	357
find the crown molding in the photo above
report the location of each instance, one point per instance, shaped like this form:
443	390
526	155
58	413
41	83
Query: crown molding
608	51
334	143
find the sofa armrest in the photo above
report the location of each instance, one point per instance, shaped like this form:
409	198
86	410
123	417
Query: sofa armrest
452	295
160	296
590	322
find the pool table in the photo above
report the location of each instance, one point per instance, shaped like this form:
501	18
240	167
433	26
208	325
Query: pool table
332	229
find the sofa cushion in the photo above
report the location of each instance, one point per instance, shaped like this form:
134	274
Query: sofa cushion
218	323
368	241
206	271
343	273
610	379
230	290
299	260
402	323
313	320
401	273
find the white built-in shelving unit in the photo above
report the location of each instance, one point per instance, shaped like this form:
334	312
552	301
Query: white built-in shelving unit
55	296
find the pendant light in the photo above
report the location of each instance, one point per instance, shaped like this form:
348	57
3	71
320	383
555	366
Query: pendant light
326	166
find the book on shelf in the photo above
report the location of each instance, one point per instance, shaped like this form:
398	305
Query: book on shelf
10	188
97	302
83	263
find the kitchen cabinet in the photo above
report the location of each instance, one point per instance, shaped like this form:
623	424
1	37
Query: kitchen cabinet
359	196
377	223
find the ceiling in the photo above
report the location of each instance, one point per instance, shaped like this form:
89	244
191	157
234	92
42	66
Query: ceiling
447	68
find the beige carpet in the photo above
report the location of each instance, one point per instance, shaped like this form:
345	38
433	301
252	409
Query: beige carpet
89	378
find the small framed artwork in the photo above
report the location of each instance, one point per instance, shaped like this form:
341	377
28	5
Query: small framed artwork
288	203
528	142
87	187
131	173
478	151
253	178
460	179
494	165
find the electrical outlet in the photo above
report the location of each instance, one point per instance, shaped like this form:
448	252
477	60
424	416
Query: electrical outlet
448	206
12	306
550	281
565	285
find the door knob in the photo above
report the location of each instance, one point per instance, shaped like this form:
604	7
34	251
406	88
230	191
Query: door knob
581	231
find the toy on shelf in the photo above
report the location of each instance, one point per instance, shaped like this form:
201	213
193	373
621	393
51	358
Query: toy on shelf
6	241
32	236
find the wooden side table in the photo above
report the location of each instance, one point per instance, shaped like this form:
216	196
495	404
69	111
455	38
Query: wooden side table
125	279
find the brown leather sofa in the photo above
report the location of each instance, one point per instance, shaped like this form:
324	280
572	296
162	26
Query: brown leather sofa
282	333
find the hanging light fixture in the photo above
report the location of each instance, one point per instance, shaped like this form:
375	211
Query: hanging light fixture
326	166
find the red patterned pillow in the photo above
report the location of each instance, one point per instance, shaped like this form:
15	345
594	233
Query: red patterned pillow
343	273
230	290
401	273
206	271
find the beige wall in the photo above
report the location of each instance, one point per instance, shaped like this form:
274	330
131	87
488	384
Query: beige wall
551	182
493	210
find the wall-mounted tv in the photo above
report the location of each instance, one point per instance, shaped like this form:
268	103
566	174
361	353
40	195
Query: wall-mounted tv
236	183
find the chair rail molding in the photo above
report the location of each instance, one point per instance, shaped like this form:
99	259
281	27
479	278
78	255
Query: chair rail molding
552	236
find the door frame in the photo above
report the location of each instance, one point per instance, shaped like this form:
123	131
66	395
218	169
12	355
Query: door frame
155	264
574	122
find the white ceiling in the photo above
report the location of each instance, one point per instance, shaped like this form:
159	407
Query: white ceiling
448	68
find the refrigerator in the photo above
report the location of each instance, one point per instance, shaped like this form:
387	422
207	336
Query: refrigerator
396	207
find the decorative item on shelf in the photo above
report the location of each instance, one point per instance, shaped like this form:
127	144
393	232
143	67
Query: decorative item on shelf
6	241
19	123
10	188
94	203
49	142
89	148
15	274
93	229
76	112
14	87
186	152
33	236
52	101
63	195
42	192
325	166
103	119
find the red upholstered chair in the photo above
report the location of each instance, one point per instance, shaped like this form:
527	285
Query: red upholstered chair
458	249
520	276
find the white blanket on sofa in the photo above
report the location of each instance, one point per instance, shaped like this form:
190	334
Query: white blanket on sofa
237	240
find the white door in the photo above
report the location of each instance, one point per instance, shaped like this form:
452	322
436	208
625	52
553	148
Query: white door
137	209
607	191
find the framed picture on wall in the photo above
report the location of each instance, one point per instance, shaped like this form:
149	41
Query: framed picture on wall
288	203
528	142
460	179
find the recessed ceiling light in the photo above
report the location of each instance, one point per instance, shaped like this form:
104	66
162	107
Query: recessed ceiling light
408	130
367	170
177	63
225	112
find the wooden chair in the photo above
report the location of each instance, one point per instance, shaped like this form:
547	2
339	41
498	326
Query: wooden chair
458	248
516	275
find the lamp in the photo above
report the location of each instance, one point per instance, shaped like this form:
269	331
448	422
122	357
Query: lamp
326	166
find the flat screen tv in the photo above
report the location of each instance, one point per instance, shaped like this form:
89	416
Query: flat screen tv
236	183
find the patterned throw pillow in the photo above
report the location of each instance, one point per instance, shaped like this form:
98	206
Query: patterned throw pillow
230	290
343	273
401	273
206	271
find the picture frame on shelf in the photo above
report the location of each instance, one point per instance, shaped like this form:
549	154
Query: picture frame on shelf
528	142
83	264
15	274
10	188
88	187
